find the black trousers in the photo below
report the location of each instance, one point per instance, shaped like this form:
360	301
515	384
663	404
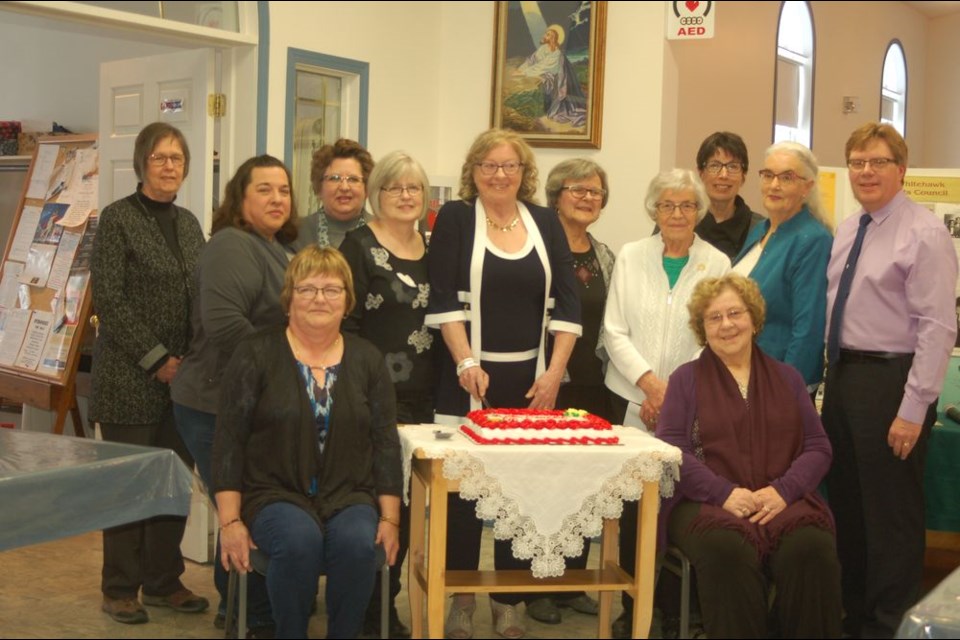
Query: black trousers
146	553
876	498
733	580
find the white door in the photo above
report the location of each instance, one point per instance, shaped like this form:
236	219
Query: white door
171	88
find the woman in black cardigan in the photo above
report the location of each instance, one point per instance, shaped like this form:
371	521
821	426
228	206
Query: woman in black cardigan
306	459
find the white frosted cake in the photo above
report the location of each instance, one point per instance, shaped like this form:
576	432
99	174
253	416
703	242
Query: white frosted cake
537	426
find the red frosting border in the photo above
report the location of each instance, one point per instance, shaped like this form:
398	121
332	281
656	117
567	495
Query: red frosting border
477	438
479	418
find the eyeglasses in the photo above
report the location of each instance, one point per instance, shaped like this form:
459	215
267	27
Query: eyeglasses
490	168
413	190
580	192
717	318
667	208
733	168
309	292
336	178
877	163
787	178
158	159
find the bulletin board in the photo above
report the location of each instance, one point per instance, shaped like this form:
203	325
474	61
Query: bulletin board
45	278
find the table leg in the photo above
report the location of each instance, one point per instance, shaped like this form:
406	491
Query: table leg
608	557
646	559
437	550
415	562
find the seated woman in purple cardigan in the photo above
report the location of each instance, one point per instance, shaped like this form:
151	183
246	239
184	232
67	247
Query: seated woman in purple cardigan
747	513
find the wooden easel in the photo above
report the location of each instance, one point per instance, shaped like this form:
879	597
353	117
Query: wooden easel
50	391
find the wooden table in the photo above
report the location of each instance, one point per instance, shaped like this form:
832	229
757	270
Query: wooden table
429	581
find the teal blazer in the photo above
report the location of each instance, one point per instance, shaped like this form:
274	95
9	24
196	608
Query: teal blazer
792	274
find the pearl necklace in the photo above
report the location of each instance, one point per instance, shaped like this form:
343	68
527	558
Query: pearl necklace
505	229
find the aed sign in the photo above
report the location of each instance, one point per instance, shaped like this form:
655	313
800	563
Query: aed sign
690	20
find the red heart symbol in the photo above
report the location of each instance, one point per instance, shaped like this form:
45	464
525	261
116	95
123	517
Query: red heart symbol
691	5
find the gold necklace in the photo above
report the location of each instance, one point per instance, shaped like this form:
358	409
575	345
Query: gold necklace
505	229
297	353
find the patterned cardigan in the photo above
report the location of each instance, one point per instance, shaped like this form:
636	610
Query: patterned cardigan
142	294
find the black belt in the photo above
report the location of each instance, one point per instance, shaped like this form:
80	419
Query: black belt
855	355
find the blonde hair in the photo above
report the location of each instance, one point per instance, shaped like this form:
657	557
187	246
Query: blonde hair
394	166
312	261
483	145
707	291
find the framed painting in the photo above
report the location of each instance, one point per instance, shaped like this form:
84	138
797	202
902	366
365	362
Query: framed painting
548	71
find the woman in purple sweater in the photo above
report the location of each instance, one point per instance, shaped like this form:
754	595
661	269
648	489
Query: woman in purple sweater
747	512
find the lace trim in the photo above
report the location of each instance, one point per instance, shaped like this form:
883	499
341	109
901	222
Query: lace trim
547	552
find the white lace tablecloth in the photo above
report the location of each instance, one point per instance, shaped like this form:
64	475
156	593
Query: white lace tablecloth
547	498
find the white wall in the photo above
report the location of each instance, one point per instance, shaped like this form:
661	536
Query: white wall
942	109
51	70
430	68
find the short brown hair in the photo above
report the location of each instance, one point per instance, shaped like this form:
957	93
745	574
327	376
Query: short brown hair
726	141
342	148
148	139
574	169
230	211
485	143
313	261
877	131
707	291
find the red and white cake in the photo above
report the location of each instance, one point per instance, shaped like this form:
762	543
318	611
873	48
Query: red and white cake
537	426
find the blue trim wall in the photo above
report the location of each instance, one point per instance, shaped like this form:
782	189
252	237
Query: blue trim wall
346	65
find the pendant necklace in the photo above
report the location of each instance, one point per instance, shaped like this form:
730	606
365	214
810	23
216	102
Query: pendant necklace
506	228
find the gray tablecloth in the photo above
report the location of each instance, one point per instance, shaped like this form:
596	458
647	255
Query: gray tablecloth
58	486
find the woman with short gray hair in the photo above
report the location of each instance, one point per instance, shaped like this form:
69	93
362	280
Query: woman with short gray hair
645	325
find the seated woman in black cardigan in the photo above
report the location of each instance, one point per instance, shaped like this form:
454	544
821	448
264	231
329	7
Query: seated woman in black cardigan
306	459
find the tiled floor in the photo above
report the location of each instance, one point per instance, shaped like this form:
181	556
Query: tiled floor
53	591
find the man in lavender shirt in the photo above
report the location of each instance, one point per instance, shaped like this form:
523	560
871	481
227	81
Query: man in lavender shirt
895	335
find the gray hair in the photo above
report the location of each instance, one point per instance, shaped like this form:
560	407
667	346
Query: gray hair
148	139
391	167
574	169
676	180
811	169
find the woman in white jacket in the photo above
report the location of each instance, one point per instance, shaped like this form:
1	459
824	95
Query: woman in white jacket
646	331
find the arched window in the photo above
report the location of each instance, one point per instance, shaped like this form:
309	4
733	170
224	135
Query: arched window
793	93
893	94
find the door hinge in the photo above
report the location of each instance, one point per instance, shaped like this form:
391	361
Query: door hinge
217	105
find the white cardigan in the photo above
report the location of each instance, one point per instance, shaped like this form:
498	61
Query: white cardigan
646	324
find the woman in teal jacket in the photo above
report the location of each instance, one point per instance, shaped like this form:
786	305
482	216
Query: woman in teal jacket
787	255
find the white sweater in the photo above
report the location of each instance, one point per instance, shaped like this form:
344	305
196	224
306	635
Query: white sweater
646	324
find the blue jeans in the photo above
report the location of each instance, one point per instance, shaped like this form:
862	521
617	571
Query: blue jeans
196	429
300	551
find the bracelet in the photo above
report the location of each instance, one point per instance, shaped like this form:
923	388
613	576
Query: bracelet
234	521
395	523
466	363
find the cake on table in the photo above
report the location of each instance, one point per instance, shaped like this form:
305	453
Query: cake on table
537	426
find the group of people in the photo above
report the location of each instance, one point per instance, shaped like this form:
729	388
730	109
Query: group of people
281	366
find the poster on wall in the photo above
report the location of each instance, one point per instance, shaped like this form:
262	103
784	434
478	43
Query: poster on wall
939	191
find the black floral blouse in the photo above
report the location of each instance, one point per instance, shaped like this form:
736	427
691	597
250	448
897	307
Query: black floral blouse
392	295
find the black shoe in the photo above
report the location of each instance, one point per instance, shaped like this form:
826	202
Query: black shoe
544	610
622	627
398	630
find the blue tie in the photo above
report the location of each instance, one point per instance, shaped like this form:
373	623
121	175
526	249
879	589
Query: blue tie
843	291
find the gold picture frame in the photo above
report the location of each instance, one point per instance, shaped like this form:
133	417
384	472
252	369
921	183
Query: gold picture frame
548	71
